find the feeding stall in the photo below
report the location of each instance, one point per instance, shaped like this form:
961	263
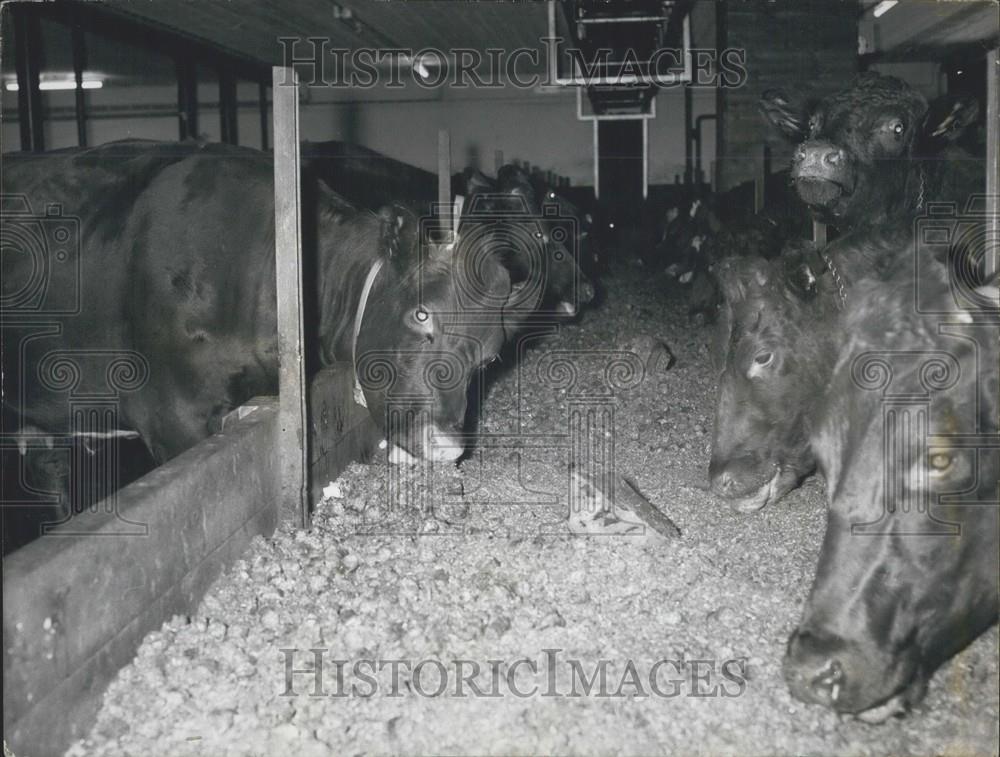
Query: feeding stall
579	424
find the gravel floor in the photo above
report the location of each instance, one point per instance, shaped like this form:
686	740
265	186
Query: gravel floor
487	571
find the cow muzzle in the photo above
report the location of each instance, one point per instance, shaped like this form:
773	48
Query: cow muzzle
821	172
747	484
432	443
850	677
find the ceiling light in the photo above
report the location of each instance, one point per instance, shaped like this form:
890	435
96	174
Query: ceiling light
884	7
59	84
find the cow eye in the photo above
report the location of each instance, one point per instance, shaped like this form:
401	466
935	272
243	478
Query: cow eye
764	358
898	127
939	462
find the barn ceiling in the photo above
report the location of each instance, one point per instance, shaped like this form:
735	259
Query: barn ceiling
927	29
251	28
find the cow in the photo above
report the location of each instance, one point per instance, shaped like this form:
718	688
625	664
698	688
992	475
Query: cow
369	179
774	349
175	291
875	152
537	245
587	248
907	439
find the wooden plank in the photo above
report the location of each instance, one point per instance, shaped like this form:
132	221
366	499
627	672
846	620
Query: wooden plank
292	446
76	607
340	430
993	160
444	178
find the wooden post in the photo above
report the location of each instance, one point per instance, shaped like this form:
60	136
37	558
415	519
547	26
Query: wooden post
264	116
292	438
992	261
497	160
28	63
187	99
228	108
444	180
79	98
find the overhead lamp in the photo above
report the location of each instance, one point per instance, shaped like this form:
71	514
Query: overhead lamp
884	7
50	85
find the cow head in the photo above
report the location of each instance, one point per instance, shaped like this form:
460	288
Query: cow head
907	575
538	246
856	157
434	318
772	356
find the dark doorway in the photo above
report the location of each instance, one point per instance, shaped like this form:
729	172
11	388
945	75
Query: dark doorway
620	166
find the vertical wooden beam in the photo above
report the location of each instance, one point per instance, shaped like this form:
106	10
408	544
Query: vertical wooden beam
79	64
292	438
27	63
227	108
264	115
497	160
597	162
688	129
444	179
992	261
645	158
187	99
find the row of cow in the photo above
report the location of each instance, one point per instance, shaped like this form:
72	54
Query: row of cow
168	269
874	360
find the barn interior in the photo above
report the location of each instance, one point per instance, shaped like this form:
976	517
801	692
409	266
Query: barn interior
188	603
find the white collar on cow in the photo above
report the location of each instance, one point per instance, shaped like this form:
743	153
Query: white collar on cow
359	394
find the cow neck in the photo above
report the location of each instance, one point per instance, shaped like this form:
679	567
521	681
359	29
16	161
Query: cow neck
359	394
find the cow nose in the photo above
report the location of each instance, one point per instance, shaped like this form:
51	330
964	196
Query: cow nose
812	669
826	683
723	483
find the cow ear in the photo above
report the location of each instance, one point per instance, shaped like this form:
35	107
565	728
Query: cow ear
949	117
730	275
790	118
476	182
398	230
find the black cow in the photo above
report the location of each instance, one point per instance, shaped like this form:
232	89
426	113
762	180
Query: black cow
775	345
175	292
587	247
907	438
871	152
534	242
367	178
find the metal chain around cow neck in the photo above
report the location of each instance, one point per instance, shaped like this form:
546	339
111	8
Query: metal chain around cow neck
837	279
